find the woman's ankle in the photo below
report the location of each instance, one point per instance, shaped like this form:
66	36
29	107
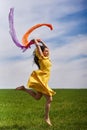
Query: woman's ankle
47	120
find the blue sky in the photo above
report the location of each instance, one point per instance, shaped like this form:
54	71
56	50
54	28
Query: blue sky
67	42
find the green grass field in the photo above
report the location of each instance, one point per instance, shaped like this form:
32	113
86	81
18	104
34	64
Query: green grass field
19	111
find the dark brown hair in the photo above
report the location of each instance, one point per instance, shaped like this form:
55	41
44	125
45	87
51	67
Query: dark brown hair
36	59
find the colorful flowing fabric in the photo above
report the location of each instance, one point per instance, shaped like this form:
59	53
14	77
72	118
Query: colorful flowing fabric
26	35
25	42
12	29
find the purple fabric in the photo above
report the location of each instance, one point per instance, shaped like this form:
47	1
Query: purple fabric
12	30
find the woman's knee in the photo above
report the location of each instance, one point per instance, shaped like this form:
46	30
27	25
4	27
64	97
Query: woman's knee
38	96
50	99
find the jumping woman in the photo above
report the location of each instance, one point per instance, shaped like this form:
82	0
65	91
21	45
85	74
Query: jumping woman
38	79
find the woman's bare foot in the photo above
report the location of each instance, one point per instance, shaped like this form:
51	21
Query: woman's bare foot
20	88
48	122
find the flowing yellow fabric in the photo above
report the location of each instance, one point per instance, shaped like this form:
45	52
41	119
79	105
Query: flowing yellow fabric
39	78
26	35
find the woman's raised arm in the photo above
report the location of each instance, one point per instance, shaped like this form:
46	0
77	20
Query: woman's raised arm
38	47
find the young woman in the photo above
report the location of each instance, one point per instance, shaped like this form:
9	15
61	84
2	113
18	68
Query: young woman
39	78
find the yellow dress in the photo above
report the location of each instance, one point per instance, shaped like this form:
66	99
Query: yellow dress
39	78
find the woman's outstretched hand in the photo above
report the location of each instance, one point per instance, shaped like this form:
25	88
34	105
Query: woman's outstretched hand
39	40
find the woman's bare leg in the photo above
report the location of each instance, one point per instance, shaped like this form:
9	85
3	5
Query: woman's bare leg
35	95
47	109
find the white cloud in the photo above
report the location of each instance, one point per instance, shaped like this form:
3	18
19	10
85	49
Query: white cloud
16	73
69	75
70	72
75	46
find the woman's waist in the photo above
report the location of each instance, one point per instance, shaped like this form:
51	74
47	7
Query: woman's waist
45	70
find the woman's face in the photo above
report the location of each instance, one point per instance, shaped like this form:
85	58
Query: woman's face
46	52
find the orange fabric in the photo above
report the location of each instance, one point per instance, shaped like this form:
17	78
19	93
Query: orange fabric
25	36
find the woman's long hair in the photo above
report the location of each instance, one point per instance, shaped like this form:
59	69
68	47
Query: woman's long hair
36	59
